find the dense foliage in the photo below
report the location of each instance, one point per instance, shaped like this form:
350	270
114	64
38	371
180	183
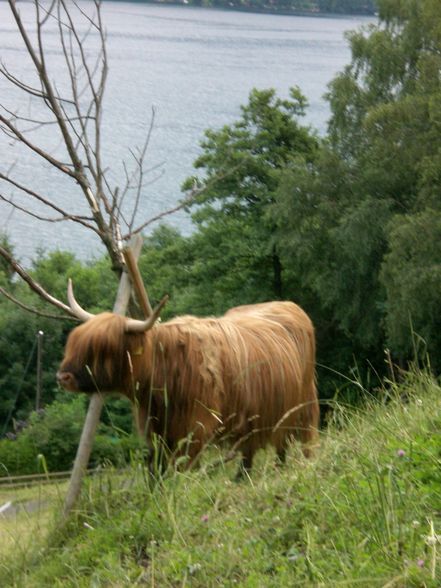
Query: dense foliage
48	441
351	221
19	329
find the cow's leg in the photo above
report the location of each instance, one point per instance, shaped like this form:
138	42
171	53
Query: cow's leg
309	444
191	440
140	416
308	434
159	456
281	454
245	464
148	430
190	451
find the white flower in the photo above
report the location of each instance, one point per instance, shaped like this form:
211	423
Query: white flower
432	540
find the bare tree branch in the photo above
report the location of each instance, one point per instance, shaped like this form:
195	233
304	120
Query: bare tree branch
189	199
79	172
48	12
184	203
17	302
36	122
83	220
44	154
35	286
69	58
21	85
45	218
73	109
140	169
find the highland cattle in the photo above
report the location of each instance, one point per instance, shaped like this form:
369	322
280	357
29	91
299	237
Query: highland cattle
247	377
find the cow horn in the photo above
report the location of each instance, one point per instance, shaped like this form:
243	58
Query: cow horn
79	312
136	326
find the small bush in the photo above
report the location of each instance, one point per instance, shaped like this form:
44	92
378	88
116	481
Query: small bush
55	433
17	457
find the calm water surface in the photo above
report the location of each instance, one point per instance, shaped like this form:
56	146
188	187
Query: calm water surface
195	67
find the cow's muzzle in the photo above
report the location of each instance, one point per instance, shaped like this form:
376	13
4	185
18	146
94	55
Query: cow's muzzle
67	381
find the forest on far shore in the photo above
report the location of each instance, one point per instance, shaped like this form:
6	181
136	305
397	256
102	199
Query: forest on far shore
368	7
294	6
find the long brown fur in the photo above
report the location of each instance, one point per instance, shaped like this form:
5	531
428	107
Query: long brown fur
247	377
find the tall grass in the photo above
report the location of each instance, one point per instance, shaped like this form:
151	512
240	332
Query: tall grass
366	511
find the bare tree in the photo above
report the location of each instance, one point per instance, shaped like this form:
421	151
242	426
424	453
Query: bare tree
73	109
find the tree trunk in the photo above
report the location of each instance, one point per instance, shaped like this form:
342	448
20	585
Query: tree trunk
277	275
97	399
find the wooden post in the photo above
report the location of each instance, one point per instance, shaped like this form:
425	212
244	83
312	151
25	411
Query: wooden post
97	400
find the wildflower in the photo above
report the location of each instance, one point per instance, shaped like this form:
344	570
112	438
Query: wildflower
401	453
420	563
205	518
193	568
432	540
294	554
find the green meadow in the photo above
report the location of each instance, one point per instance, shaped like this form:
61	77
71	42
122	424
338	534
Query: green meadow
366	511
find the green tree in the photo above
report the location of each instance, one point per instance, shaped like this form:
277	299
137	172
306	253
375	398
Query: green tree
95	287
330	241
412	275
166	265
333	240
344	219
243	164
5	269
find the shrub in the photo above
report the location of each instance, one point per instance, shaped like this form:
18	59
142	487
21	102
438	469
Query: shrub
55	433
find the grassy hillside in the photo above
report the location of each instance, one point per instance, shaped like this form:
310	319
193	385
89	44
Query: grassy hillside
365	512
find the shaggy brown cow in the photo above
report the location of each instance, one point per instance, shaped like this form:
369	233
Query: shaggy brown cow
247	376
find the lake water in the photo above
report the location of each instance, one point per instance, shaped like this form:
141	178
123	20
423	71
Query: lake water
195	67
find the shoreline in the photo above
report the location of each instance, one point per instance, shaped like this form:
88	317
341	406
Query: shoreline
254	9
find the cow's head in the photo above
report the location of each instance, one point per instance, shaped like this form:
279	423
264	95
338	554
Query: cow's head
98	353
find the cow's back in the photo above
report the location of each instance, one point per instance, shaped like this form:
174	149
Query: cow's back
281	368
251	370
